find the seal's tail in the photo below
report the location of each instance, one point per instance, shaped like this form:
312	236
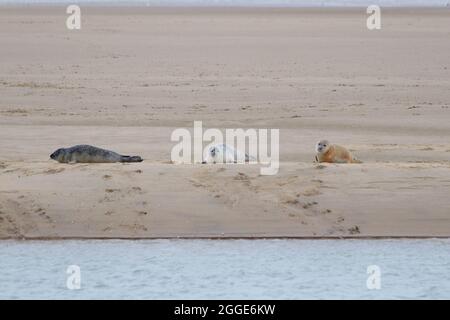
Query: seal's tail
131	159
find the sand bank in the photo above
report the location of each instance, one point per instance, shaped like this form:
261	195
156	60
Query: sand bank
133	75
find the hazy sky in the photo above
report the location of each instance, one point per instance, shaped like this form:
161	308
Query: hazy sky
254	2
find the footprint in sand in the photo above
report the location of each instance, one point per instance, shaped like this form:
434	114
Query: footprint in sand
134	227
12	227
308	205
244	178
311	192
292	201
41	212
336	229
354	230
20	170
136	190
296	203
241	176
197	184
54	171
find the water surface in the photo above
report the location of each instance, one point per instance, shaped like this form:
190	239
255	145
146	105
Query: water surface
225	269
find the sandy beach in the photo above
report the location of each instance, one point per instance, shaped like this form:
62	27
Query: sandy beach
131	76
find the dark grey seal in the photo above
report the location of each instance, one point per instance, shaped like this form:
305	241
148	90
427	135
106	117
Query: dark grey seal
90	154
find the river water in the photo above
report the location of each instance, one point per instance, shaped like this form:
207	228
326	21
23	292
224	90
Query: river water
225	269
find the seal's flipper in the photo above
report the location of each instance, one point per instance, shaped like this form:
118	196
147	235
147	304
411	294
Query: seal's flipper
131	159
249	158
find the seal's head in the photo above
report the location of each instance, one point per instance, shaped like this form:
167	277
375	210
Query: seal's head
322	146
213	152
211	155
57	155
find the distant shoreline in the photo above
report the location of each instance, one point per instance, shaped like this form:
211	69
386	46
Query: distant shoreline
224	238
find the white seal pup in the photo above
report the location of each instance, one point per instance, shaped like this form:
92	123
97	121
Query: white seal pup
333	153
222	153
90	154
